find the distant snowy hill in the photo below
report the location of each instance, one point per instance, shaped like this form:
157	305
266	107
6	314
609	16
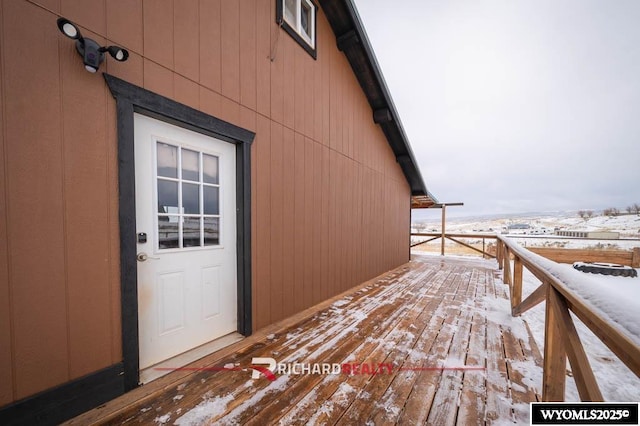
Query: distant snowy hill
539	223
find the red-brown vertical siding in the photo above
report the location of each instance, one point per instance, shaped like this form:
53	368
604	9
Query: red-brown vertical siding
210	44
125	23
35	188
248	60
288	222
6	362
276	252
329	202
186	49
261	243
85	196
309	223
230	49
298	221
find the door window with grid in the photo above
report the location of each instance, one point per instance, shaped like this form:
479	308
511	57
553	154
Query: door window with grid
188	194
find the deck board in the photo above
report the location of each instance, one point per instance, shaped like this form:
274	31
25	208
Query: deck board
429	320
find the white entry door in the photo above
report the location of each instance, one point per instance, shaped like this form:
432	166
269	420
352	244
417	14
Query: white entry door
186	233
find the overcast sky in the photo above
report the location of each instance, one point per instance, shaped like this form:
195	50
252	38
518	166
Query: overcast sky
516	106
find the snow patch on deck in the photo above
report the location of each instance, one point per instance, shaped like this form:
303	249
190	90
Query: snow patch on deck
277	386
342	398
498	310
162	419
205	411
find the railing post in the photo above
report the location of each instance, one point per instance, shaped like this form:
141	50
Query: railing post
554	371
444	213
635	258
582	371
516	288
499	252
506	274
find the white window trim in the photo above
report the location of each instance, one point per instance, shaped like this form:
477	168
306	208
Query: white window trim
297	25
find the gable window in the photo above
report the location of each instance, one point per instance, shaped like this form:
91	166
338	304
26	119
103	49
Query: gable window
298	18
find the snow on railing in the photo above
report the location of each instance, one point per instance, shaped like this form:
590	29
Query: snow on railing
561	341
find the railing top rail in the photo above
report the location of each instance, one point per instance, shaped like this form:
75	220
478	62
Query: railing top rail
456	235
624	343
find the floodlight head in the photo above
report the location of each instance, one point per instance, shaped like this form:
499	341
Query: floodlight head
69	29
92	53
117	53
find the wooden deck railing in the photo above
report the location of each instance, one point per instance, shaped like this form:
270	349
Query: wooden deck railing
561	340
560	255
455	238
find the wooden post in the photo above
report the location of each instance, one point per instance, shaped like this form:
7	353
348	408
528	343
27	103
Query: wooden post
582	371
483	249
443	206
516	288
499	248
554	371
444	209
506	274
635	258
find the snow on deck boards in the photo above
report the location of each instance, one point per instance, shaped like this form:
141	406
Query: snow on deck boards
438	329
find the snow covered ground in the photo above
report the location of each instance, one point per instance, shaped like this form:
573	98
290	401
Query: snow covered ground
539	224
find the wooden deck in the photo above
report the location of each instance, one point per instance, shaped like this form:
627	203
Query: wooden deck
441	325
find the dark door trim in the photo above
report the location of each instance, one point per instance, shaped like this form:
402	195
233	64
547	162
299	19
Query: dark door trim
130	99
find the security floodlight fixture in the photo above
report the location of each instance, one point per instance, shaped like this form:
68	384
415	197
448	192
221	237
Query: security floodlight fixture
92	53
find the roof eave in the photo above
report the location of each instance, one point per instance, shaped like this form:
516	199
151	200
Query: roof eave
352	40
